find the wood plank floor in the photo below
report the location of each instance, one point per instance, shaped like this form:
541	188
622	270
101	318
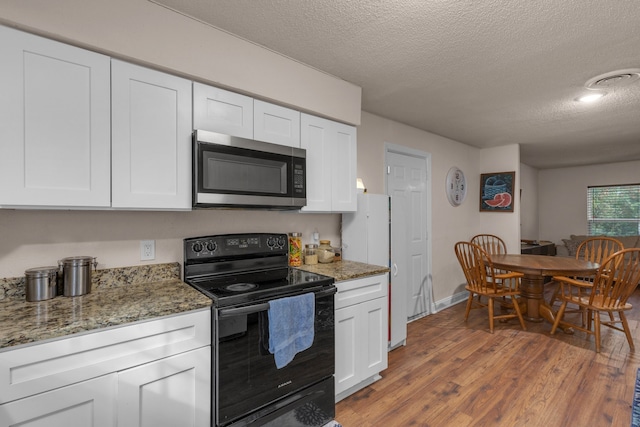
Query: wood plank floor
456	373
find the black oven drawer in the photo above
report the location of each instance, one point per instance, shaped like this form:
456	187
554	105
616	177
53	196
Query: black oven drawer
246	379
313	406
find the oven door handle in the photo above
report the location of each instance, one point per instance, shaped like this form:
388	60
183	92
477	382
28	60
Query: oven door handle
240	311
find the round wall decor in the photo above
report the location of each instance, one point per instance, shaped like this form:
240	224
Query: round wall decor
456	186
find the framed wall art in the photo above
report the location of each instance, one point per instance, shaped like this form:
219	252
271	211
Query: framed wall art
496	191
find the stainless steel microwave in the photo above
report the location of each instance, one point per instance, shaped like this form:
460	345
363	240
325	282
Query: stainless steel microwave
229	171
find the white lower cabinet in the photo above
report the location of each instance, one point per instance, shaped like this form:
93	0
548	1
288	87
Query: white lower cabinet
361	333
155	373
170	392
89	403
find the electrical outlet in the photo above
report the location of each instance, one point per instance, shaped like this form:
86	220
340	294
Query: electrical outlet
147	250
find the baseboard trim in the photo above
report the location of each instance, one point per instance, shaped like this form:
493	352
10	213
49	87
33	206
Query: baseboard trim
451	301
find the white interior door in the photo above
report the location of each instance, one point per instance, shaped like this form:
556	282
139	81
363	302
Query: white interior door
407	185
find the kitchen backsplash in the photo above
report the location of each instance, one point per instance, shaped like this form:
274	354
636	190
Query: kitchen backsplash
36	238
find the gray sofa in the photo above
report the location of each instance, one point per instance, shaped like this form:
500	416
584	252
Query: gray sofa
569	246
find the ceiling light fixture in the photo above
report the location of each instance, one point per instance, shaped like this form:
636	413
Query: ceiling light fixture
614	79
590	97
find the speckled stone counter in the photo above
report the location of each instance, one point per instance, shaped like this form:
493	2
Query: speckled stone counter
118	296
345	270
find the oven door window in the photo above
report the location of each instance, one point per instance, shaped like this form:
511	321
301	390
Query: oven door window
246	375
244	171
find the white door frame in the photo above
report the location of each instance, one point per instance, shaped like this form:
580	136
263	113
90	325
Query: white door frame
400	149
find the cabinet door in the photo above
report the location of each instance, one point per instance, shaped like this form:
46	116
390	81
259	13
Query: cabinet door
331	165
218	110
361	343
346	348
316	139
175	391
276	124
54	123
375	332
344	170
151	138
89	403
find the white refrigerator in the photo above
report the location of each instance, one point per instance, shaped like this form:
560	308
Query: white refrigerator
366	238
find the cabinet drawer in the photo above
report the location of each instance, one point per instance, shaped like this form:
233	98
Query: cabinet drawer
359	290
41	367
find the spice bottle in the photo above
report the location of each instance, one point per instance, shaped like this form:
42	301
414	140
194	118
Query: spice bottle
295	249
325	252
310	254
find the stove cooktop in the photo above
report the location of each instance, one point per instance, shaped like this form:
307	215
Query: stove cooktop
241	288
240	268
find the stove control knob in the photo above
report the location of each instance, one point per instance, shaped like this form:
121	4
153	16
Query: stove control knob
270	241
282	242
197	247
211	246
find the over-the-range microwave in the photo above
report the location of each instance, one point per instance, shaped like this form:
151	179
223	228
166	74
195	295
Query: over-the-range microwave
229	171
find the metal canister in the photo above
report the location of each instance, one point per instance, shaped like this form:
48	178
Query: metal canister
76	274
41	283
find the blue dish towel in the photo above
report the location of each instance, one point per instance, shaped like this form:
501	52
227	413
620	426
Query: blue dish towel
291	329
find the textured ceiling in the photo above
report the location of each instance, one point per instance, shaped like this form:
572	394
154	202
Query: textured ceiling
485	73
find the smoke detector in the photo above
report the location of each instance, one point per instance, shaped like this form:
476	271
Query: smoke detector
614	79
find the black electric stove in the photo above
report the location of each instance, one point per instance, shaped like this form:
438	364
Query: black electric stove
242	274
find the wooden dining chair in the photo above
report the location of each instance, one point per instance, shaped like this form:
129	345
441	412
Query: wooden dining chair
493	245
476	265
593	249
615	280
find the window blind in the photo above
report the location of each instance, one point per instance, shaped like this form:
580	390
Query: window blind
613	210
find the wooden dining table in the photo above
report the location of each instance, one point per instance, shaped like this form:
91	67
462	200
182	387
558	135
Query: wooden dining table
535	268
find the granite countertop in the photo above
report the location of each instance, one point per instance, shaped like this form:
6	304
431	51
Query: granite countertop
118	296
345	270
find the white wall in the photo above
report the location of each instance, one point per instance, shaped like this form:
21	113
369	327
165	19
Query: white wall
503	224
563	195
529	202
449	224
143	32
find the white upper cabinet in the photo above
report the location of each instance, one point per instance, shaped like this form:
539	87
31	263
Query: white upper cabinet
218	110
331	165
54	123
276	124
151	138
